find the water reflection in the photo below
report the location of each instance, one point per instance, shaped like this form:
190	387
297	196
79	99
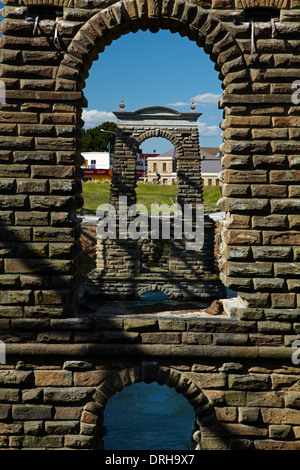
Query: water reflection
148	417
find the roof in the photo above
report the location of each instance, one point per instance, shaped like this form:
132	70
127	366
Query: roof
211	166
212	151
209	153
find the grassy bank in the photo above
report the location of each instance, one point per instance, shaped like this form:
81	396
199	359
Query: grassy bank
95	194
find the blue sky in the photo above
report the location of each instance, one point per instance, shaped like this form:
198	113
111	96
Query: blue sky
161	69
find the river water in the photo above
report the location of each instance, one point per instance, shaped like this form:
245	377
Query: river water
148	417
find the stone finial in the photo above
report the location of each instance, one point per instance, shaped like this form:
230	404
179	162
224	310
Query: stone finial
193	106
122	105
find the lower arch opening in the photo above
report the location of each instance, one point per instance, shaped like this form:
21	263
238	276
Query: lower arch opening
149	417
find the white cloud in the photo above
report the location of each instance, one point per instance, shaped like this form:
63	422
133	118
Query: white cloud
207	98
178	103
94	117
208	131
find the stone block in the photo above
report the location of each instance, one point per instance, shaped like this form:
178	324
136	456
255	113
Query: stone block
243	204
294	221
240	177
291	238
67	412
61	427
249	415
79	441
242	237
32	218
292	400
248	382
268	284
8	395
61	186
269	161
32	156
282	431
90	378
29	186
283	300
37	266
258	268
274	327
272	252
31	412
33	428
46	171
51	202
48	143
9	297
45	378
36	250
287	269
269	221
268	190
32	395
70	395
161	338
196	338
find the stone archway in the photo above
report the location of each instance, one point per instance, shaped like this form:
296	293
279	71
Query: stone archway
120	18
151	288
40	144
188	20
120	256
93	412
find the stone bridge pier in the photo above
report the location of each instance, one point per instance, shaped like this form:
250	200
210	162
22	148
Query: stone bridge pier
63	361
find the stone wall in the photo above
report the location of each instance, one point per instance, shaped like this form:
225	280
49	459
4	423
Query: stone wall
45	403
239	379
44	70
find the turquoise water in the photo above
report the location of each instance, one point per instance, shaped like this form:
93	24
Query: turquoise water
148	417
149	298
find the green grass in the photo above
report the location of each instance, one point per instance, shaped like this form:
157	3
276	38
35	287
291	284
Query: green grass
95	194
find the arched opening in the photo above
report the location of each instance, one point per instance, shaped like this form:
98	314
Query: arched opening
148	417
204	88
197	411
187	19
156	295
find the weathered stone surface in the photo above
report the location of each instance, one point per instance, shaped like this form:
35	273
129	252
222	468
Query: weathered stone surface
31	412
250	382
46	399
67	395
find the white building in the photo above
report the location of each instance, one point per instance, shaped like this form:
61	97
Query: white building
97	160
97	166
165	165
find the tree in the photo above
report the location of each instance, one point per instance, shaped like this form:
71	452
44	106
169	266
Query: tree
93	140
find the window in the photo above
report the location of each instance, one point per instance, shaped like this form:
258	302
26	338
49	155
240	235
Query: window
93	162
164	167
154	166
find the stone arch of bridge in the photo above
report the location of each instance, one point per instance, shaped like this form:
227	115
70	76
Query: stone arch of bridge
158	133
130	16
148	372
151	288
185	18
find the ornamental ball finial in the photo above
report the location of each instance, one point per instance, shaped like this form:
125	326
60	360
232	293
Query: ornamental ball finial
122	105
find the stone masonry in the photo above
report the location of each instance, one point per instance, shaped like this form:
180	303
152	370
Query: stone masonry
189	274
64	361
